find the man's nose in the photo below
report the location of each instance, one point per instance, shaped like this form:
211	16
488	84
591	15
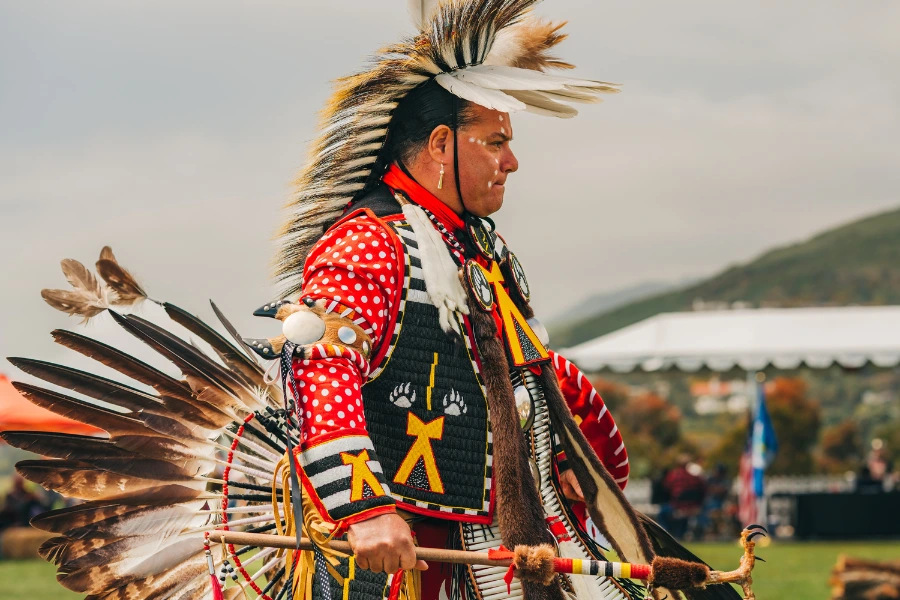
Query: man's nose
511	163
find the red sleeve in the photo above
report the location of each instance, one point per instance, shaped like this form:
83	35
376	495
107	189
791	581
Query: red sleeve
356	265
596	422
357	269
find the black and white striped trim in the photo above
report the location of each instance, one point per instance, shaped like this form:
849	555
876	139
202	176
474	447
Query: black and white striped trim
331	478
404	293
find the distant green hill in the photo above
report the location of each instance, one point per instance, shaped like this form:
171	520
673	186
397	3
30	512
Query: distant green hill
858	263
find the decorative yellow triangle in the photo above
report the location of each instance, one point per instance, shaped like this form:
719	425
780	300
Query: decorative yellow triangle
421	449
511	317
361	474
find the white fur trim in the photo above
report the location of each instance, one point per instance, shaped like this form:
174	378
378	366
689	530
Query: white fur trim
441	274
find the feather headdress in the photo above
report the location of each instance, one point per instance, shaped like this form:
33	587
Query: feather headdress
490	52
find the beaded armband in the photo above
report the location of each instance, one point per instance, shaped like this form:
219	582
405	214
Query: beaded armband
319	329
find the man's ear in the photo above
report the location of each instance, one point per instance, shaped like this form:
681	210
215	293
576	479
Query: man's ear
440	144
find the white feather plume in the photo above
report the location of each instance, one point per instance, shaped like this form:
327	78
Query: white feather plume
513	78
441	274
541	104
493	99
512	89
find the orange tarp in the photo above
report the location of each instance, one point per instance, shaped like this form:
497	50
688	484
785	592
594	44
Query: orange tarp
18	414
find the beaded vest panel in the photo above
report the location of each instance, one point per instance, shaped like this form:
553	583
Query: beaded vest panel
426	410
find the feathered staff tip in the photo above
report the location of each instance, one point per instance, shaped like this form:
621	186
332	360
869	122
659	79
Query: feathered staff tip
89	296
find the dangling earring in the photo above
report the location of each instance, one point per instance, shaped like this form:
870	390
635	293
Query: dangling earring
441	179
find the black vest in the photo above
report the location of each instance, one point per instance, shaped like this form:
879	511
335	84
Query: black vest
426	409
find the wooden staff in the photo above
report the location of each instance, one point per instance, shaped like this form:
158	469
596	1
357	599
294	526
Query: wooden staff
670	573
459	557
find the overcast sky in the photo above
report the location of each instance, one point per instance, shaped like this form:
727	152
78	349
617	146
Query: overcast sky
171	130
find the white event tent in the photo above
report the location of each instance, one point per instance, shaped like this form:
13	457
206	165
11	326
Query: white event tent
750	339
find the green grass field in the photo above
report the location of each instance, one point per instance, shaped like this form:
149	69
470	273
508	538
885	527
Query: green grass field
792	571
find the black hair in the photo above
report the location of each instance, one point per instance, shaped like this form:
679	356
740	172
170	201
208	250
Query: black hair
417	115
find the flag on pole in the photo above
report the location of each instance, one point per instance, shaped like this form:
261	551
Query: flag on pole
763	444
747	505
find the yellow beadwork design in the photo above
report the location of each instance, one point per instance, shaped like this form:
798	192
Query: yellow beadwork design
361	474
421	449
511	317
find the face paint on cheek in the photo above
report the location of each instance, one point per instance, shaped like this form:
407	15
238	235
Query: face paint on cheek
471	139
503	130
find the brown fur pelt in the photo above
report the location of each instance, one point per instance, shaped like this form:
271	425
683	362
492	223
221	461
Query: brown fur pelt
535	563
610	511
519	511
677	574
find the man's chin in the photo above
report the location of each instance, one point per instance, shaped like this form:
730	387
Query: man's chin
496	199
488	205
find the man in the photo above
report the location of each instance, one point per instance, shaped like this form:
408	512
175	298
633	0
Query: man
411	275
360	265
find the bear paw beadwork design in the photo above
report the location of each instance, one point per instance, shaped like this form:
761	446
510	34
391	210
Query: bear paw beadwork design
454	404
401	396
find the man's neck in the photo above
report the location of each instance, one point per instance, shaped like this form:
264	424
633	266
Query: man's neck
398	178
428	177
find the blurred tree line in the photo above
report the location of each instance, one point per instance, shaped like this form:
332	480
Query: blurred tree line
656	431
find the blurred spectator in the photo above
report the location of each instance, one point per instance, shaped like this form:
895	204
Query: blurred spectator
865	483
879	465
712	519
659	496
687	492
20	505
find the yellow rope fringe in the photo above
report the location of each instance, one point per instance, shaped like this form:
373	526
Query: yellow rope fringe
320	533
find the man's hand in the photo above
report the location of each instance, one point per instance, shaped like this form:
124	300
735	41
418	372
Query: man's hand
384	544
570	487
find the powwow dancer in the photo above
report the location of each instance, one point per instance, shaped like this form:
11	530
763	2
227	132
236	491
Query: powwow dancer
418	396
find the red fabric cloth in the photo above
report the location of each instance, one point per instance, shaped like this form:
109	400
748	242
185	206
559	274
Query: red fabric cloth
396	179
597	422
18	414
436	581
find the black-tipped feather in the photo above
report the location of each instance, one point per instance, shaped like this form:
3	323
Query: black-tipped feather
84	412
187	358
248	367
86	482
78	479
141	405
162	585
231	329
65	520
121	362
162	520
89	384
65	445
128	569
